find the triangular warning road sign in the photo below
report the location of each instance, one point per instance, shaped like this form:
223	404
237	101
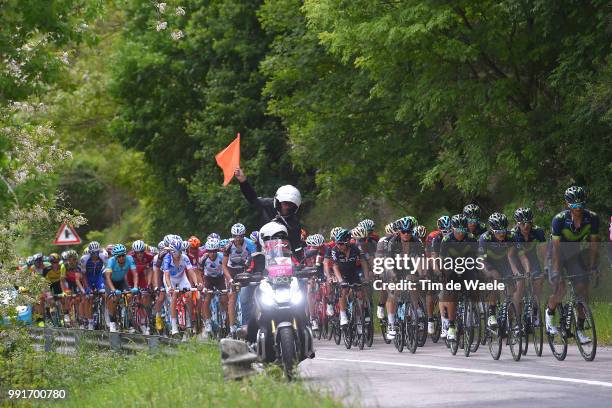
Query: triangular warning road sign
66	235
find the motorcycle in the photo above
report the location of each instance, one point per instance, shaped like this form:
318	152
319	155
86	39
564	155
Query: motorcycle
284	335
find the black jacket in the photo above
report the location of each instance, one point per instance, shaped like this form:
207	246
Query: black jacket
268	213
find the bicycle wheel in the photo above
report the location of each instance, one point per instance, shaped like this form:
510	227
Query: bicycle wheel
476	327
437	322
513	331
383	330
482	313
469	328
537	328
347	329
587	349
494	339
336	331
361	327
411	323
421	324
558	342
399	340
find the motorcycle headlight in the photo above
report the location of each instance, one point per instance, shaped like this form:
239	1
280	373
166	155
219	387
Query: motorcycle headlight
296	297
266	294
282	296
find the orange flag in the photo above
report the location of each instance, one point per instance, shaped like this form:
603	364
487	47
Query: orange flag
228	159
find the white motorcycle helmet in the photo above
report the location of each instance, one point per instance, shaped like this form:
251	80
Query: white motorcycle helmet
271	230
287	193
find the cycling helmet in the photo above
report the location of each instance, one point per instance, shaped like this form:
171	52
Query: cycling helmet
367	224
109	249
421	231
389	228
138	246
71	254
161	245
194	242
238	229
333	231
184	245
444	222
523	214
176	246
254	236
212	244
154	250
472	211
498	222
406	224
54	257
575	195
119	249
64	255
315	240
167	239
272	230
287	193
223	243
213	235
94	246
86	251
342	235
37	257
359	232
459	221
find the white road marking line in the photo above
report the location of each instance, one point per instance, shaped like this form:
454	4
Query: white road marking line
475	371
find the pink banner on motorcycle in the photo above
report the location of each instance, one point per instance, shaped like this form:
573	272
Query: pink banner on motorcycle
274	271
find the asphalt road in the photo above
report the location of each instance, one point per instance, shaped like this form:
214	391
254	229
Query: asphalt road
432	377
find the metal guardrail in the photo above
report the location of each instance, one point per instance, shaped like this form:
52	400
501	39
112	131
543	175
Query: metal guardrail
52	339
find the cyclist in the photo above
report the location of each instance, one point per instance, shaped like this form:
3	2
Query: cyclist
328	269
404	243
527	235
178	273
115	271
212	265
315	243
432	250
194	253
381	250
421	232
282	208
71	279
236	259
52	273
458	244
157	282
38	266
143	260
472	213
569	228
494	247
344	257
92	266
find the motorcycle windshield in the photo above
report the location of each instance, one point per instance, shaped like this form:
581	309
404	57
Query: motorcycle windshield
278	258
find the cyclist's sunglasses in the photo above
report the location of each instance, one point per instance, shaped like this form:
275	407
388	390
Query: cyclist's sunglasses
409	231
473	220
525	223
237	236
121	256
460	229
341	243
499	231
446	231
574	206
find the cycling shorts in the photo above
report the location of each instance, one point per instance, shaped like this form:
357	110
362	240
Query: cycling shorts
56	288
573	265
180	282
211	283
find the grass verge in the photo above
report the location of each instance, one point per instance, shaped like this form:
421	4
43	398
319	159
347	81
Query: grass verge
602	313
192	376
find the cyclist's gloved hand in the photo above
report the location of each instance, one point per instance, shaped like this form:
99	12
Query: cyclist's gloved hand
134	290
117	292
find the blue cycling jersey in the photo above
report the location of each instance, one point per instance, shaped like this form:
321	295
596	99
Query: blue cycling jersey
176	269
120	271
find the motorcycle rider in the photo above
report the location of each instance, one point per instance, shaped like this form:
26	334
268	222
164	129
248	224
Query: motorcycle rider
282	208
